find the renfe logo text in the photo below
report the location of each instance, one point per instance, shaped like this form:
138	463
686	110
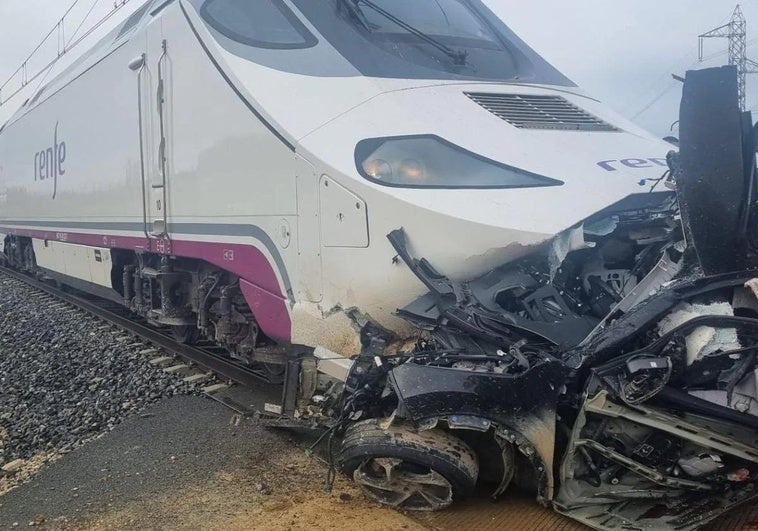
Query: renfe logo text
48	163
613	165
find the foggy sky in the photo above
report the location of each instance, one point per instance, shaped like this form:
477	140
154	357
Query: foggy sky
620	51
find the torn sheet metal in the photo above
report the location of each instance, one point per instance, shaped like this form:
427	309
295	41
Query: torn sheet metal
703	340
563	244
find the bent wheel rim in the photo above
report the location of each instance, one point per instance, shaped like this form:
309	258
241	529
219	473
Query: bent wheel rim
403	484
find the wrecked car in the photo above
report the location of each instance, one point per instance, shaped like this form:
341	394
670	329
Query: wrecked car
613	371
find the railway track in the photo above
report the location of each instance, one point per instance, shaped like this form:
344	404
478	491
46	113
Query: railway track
201	360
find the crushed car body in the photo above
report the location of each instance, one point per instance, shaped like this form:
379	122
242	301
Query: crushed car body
613	370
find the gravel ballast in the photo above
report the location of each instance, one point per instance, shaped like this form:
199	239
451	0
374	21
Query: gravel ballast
66	377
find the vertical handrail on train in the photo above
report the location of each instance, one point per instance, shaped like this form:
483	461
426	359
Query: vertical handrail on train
162	146
142	65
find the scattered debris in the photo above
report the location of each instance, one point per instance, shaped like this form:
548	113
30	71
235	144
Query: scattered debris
38	519
263	488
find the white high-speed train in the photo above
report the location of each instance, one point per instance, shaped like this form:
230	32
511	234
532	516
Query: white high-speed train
408	184
280	141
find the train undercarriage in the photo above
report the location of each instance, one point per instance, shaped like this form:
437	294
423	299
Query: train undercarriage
196	300
613	371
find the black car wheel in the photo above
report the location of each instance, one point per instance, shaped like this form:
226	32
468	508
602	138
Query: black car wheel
406	468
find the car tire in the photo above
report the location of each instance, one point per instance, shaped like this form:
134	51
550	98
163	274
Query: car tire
406	468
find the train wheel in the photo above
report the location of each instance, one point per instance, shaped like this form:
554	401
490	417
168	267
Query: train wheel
406	468
186	334
275	372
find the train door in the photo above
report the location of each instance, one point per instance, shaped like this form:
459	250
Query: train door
153	69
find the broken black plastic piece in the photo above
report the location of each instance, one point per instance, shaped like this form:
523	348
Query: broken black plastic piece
636	365
437	283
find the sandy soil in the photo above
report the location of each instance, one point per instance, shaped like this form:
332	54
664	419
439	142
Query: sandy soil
285	494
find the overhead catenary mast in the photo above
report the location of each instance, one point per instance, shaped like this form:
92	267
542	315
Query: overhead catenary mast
736	31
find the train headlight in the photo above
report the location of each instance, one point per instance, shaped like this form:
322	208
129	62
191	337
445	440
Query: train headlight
428	161
378	169
412	170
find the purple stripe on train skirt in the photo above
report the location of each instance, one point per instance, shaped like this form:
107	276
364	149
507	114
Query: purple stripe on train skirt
270	311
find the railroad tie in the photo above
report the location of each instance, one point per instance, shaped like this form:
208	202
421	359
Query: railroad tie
162	360
176	368
215	388
197	378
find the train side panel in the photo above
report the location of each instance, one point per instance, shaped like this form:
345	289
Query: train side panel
91	264
75	155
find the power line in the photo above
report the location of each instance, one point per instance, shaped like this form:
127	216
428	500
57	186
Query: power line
41	43
92	7
71	39
655	100
667	71
63	48
659	95
657	82
749	44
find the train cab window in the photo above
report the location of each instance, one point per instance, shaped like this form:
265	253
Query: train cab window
259	23
449	19
426	39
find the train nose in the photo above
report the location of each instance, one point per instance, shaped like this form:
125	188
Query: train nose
519	175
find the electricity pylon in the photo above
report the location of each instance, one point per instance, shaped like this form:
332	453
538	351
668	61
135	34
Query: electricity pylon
736	32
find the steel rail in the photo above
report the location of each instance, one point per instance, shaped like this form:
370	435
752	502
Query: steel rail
206	360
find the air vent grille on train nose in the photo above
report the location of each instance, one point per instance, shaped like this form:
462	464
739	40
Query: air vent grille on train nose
540	112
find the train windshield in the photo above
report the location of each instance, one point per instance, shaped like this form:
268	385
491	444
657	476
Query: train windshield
448	19
418	39
434	39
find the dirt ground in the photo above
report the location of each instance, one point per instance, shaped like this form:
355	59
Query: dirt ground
191	464
240	500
